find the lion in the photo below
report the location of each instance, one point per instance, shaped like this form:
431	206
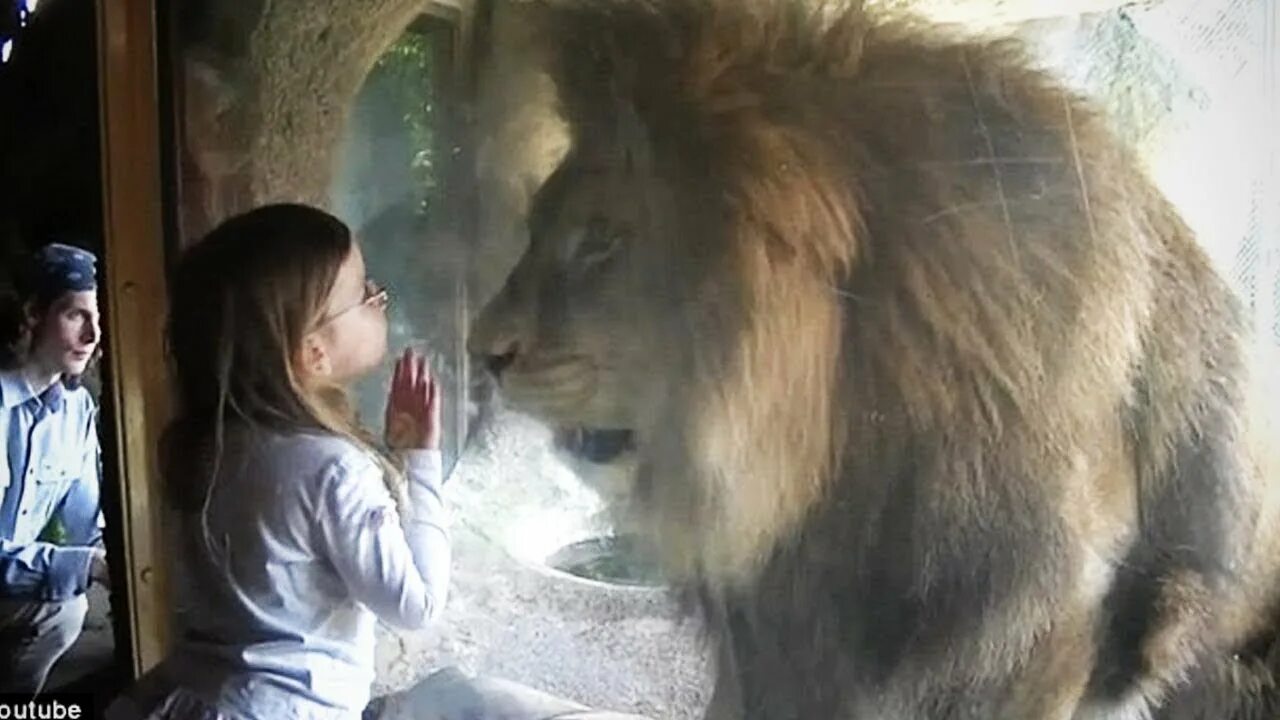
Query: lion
931	395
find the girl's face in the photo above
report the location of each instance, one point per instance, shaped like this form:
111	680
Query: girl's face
350	339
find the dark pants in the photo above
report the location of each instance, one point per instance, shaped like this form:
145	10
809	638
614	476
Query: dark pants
33	635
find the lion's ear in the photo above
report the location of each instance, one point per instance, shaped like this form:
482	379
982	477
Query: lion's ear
596	74
632	139
582	68
610	132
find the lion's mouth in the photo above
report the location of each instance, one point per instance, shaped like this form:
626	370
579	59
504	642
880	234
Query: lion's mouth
596	445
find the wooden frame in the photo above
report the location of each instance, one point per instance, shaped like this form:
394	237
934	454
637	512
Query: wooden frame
138	398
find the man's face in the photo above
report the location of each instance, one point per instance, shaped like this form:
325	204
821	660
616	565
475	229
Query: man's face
67	334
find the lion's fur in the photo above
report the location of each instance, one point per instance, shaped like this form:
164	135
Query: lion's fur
950	417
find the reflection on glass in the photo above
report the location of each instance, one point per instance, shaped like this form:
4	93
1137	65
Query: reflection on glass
388	188
1193	103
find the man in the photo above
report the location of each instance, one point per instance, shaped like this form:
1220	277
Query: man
48	465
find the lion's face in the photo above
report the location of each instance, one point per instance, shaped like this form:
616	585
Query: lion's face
674	314
581	335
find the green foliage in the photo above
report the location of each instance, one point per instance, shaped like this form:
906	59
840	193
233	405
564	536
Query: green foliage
405	76
55	532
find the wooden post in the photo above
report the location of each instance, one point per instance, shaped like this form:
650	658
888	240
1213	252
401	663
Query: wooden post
135	304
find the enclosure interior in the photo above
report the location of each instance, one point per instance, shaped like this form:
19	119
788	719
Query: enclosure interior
428	127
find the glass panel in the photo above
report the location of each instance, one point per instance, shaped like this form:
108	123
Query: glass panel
390	186
371	141
646	355
622	288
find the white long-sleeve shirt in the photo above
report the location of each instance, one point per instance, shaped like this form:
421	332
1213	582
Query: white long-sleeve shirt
279	622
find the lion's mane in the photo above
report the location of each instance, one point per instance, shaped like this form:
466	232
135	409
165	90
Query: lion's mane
963	434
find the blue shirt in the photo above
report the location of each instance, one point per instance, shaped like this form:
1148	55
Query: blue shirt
49	468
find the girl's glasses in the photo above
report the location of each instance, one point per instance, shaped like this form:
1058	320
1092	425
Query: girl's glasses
375	296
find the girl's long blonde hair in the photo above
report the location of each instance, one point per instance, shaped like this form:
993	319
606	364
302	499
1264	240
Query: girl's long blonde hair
241	302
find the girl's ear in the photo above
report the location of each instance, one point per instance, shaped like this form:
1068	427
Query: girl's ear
313	360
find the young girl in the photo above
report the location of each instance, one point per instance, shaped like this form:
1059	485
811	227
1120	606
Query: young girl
297	535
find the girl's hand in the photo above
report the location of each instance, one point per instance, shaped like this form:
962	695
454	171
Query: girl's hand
413	405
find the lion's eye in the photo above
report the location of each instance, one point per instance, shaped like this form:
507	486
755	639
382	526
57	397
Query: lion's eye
599	241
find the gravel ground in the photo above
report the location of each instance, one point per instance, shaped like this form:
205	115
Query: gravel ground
626	649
